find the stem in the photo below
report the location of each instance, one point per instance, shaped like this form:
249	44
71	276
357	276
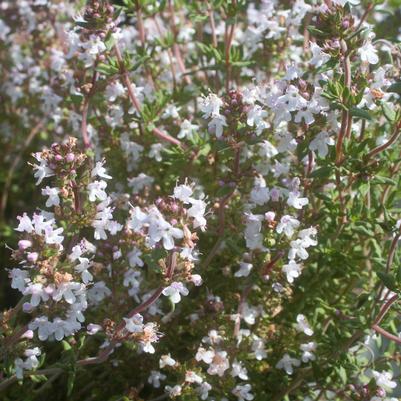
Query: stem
384	309
228	43
221	212
386	334
45	372
212	24
369	8
169	54
104	354
85	109
393	138
176	48
346	119
135	102
244	296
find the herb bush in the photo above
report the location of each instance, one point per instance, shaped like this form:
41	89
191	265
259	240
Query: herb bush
200	200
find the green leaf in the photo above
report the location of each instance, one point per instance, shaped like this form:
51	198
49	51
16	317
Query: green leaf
395	88
315	32
71	381
342	373
388	280
364	231
107	69
388	112
382	180
361	113
66	345
321	172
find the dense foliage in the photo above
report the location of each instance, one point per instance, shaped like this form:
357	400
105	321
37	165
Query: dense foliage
200	200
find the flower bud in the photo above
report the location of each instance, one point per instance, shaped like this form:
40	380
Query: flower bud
24	244
32	257
28	334
70	157
270	216
27	307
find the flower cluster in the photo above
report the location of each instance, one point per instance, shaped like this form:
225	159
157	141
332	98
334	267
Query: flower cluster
215	199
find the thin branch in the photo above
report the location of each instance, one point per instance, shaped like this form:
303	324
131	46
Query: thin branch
85	109
135	102
384	146
346	119
105	353
386	334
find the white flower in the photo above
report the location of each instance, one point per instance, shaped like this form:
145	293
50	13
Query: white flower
258	347
100	171
308	350
134	258
4	30
93	328
38	294
204	355
174	391
383	379
292	270
239	371
287	363
160	229
303	325
267	150
295	201
368	53
244	270
134	324
138	219
96	190
210	106
155	151
25	224
197	212
253	236
174	291
98	292
166	360
52	193
305	115
19	278
320	143
203	390
183	193
196	279
219	363
31	362
255	117
318	56
155	377
114	90
42	170
44	327
140	182
68	291
287	224
192	377
187	130
171	111
84	264
260	194
216	125
242	392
